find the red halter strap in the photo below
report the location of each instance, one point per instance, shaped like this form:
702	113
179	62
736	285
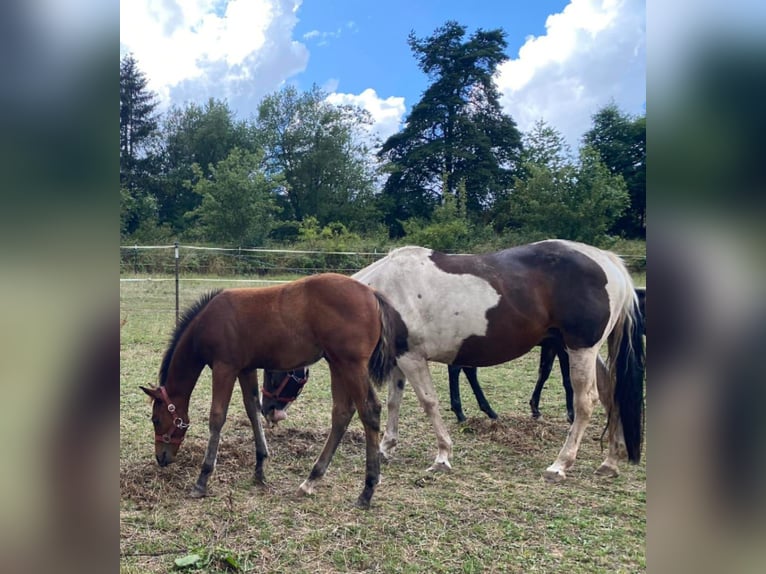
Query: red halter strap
179	423
276	394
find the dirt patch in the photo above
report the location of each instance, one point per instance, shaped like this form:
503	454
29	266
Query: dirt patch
523	434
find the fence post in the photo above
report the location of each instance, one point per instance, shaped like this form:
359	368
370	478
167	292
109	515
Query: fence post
176	254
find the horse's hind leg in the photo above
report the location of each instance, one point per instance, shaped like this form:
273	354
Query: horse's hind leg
395	392
470	373
617	449
582	369
547	356
223	385
342	412
248	381
454	392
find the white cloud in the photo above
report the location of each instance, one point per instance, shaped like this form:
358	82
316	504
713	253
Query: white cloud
195	49
386	113
593	52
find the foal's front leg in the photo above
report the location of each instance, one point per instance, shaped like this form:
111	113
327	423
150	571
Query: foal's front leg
248	380
223	385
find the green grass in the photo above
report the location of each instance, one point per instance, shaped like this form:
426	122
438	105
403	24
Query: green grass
492	513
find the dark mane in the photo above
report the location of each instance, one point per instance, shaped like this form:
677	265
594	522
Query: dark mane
186	318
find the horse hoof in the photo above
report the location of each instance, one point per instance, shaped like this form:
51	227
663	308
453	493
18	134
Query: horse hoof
197	493
442	466
554	476
362	503
607	471
305	490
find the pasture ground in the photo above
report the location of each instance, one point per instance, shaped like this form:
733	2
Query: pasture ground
492	513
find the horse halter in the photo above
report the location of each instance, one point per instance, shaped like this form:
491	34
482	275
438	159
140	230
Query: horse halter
296	388
179	423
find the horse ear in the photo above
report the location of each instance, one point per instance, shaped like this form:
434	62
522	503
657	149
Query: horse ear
153	393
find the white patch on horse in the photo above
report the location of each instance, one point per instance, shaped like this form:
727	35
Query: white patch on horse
418	289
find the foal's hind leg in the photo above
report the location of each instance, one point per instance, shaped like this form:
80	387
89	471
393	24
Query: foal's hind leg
582	369
248	380
369	413
223	385
342	411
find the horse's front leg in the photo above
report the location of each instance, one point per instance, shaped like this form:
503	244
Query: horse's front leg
395	392
248	381
223	385
547	356
454	391
416	371
582	369
342	412
566	381
473	380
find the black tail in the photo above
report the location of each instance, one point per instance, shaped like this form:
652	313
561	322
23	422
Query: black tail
629	387
392	342
189	314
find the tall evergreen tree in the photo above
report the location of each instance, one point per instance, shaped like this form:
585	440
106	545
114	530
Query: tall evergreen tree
138	121
138	128
456	133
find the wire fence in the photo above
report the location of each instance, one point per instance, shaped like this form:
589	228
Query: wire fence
199	264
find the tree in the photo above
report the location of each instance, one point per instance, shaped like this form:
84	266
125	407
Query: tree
237	201
457	129
620	140
323	153
138	129
561	198
138	122
201	135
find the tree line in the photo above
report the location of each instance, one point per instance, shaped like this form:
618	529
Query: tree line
459	173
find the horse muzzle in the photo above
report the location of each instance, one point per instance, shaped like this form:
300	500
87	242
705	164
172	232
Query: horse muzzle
276	415
164	458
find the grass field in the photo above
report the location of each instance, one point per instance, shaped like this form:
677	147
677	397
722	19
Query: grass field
492	513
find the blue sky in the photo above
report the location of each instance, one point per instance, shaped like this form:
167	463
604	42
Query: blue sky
566	58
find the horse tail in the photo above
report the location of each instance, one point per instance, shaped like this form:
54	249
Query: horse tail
627	366
391	344
183	323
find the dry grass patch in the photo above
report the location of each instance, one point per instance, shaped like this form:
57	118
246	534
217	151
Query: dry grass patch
492	513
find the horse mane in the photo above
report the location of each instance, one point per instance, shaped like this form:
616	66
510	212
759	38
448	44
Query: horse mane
188	316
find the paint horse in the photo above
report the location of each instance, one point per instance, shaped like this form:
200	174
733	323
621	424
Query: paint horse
237	331
483	310
549	349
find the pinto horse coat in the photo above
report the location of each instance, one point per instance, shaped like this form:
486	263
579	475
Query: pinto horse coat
482	310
